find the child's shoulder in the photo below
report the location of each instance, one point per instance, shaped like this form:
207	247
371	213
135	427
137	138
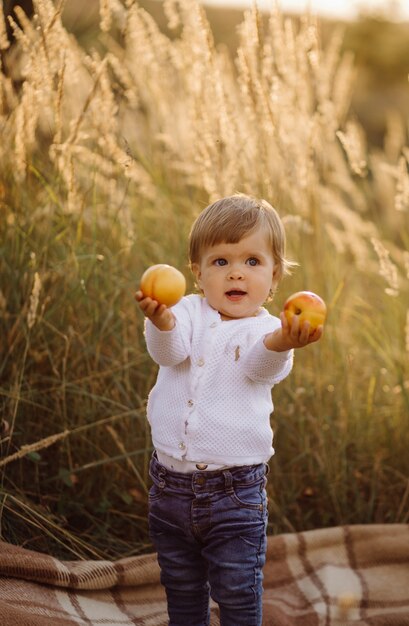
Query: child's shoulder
191	305
191	302
266	320
264	314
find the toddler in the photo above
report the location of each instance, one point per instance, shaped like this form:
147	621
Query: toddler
220	353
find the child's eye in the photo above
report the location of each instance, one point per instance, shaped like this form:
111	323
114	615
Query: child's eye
253	261
220	262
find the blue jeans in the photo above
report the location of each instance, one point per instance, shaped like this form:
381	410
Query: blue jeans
209	531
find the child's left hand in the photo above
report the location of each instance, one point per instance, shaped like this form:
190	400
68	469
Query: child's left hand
292	335
299	335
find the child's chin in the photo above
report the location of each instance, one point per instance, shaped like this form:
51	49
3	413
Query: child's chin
237	314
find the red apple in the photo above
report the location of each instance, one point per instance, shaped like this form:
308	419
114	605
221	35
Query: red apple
308	306
163	283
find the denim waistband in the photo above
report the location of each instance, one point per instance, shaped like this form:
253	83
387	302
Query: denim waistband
211	480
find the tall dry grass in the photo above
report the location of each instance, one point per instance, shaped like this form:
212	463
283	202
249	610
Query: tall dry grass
106	157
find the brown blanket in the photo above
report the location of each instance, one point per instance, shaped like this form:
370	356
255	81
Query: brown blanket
346	575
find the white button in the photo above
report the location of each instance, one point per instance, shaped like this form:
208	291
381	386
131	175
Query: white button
182	446
200	362
190	402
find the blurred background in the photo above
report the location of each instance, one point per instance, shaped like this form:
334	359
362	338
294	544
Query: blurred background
120	121
375	31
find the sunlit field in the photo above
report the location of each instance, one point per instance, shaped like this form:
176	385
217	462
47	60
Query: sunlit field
106	157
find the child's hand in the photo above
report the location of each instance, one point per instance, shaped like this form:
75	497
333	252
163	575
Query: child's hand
299	335
292	335
159	314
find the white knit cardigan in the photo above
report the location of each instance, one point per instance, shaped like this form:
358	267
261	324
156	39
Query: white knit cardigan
212	399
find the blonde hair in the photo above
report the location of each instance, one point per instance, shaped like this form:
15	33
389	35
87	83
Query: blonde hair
232	218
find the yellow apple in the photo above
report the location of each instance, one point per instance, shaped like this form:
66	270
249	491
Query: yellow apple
163	283
308	306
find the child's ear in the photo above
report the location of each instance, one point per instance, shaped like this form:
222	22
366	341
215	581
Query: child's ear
195	267
276	275
275	279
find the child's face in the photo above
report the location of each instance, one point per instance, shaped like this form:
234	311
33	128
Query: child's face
236	278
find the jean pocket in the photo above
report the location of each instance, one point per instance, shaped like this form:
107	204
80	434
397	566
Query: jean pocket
155	493
250	496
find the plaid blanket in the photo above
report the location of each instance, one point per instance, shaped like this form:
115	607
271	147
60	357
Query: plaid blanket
355	575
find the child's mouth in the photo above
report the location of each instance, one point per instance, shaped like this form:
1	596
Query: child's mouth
235	294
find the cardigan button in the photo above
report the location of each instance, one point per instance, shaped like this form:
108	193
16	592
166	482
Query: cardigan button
200	362
190	402
181	446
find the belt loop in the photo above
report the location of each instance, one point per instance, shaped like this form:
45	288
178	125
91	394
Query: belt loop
228	481
161	475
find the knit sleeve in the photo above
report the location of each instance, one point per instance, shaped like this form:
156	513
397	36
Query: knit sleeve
266	366
170	347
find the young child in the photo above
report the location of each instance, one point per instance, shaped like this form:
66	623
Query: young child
220	353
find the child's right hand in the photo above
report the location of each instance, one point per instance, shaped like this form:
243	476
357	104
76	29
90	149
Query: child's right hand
159	314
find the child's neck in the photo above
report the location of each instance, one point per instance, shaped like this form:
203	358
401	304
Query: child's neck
225	318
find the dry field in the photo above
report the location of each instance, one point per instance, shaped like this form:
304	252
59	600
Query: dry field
106	156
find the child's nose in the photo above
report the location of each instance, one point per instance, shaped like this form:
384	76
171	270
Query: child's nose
236	273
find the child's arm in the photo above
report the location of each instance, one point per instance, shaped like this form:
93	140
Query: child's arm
271	359
166	338
291	336
159	314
